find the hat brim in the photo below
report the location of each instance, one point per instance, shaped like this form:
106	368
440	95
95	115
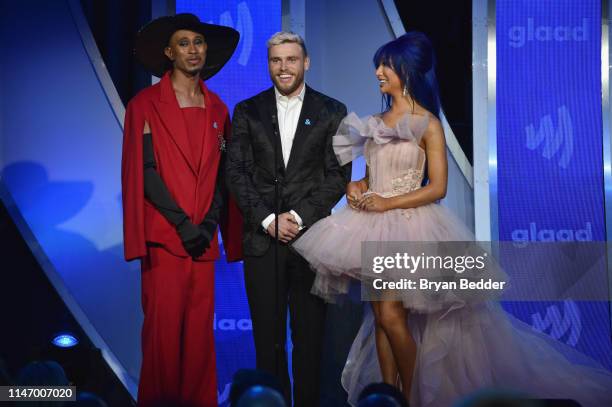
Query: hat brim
153	38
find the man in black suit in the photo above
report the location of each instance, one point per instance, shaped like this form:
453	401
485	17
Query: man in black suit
282	141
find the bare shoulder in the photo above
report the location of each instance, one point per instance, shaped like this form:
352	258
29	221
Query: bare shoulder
434	125
434	132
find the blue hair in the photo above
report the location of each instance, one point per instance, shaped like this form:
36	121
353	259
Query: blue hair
412	58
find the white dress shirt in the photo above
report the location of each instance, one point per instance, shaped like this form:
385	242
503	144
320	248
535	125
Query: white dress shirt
288	113
288	110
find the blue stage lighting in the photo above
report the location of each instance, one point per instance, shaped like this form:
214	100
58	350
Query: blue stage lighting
65	341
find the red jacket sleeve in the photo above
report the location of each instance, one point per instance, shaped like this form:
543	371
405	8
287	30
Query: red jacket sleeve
231	222
132	186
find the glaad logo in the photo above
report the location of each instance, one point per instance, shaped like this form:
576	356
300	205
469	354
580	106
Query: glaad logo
569	325
244	26
228	324
554	140
551	235
519	35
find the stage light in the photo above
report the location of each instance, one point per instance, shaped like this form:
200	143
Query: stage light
65	340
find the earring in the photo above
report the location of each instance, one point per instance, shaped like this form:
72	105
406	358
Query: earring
405	91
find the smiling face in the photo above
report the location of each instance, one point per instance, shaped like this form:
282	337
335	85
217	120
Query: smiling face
187	51
388	81
287	64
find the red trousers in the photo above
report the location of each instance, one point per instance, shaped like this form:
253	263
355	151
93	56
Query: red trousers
178	347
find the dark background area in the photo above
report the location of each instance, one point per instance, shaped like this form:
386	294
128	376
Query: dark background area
448	24
114	24
32	314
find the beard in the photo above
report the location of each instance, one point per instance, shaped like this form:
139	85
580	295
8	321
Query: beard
288	88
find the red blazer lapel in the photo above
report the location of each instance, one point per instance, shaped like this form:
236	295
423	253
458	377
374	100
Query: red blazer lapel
170	113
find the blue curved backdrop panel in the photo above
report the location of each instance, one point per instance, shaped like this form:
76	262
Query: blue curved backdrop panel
60	157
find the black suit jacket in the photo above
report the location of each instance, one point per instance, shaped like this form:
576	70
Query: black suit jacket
313	181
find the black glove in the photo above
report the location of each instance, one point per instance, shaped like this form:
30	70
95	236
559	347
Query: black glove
208	228
194	242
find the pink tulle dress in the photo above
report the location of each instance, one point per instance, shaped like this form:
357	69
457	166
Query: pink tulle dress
462	346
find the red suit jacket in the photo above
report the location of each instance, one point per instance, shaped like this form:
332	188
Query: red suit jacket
191	188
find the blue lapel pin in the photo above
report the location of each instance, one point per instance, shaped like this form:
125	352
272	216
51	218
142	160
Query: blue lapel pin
215	125
307	122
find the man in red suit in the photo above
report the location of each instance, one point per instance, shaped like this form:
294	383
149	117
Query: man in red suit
173	200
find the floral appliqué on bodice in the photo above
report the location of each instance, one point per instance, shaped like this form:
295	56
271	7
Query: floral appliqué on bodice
396	161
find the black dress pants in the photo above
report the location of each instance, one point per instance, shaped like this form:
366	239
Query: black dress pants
307	320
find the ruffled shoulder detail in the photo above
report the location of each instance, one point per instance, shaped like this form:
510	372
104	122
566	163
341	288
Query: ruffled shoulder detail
350	138
354	131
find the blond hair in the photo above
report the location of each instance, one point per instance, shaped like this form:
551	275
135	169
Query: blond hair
286	37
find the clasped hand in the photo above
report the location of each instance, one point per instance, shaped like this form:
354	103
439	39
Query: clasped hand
288	227
193	238
361	201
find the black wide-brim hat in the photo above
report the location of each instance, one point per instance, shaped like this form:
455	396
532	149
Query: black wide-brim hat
154	37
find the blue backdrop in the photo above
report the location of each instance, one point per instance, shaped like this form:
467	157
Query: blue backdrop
549	147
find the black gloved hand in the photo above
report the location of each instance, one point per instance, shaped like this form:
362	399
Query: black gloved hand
208	228
196	247
194	242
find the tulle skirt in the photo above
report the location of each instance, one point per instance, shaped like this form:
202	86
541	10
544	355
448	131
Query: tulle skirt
462	346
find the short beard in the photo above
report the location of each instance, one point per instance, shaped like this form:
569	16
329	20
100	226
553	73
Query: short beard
290	90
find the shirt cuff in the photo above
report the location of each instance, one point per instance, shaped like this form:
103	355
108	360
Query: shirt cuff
297	218
266	222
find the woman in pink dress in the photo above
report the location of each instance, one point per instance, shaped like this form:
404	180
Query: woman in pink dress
440	347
